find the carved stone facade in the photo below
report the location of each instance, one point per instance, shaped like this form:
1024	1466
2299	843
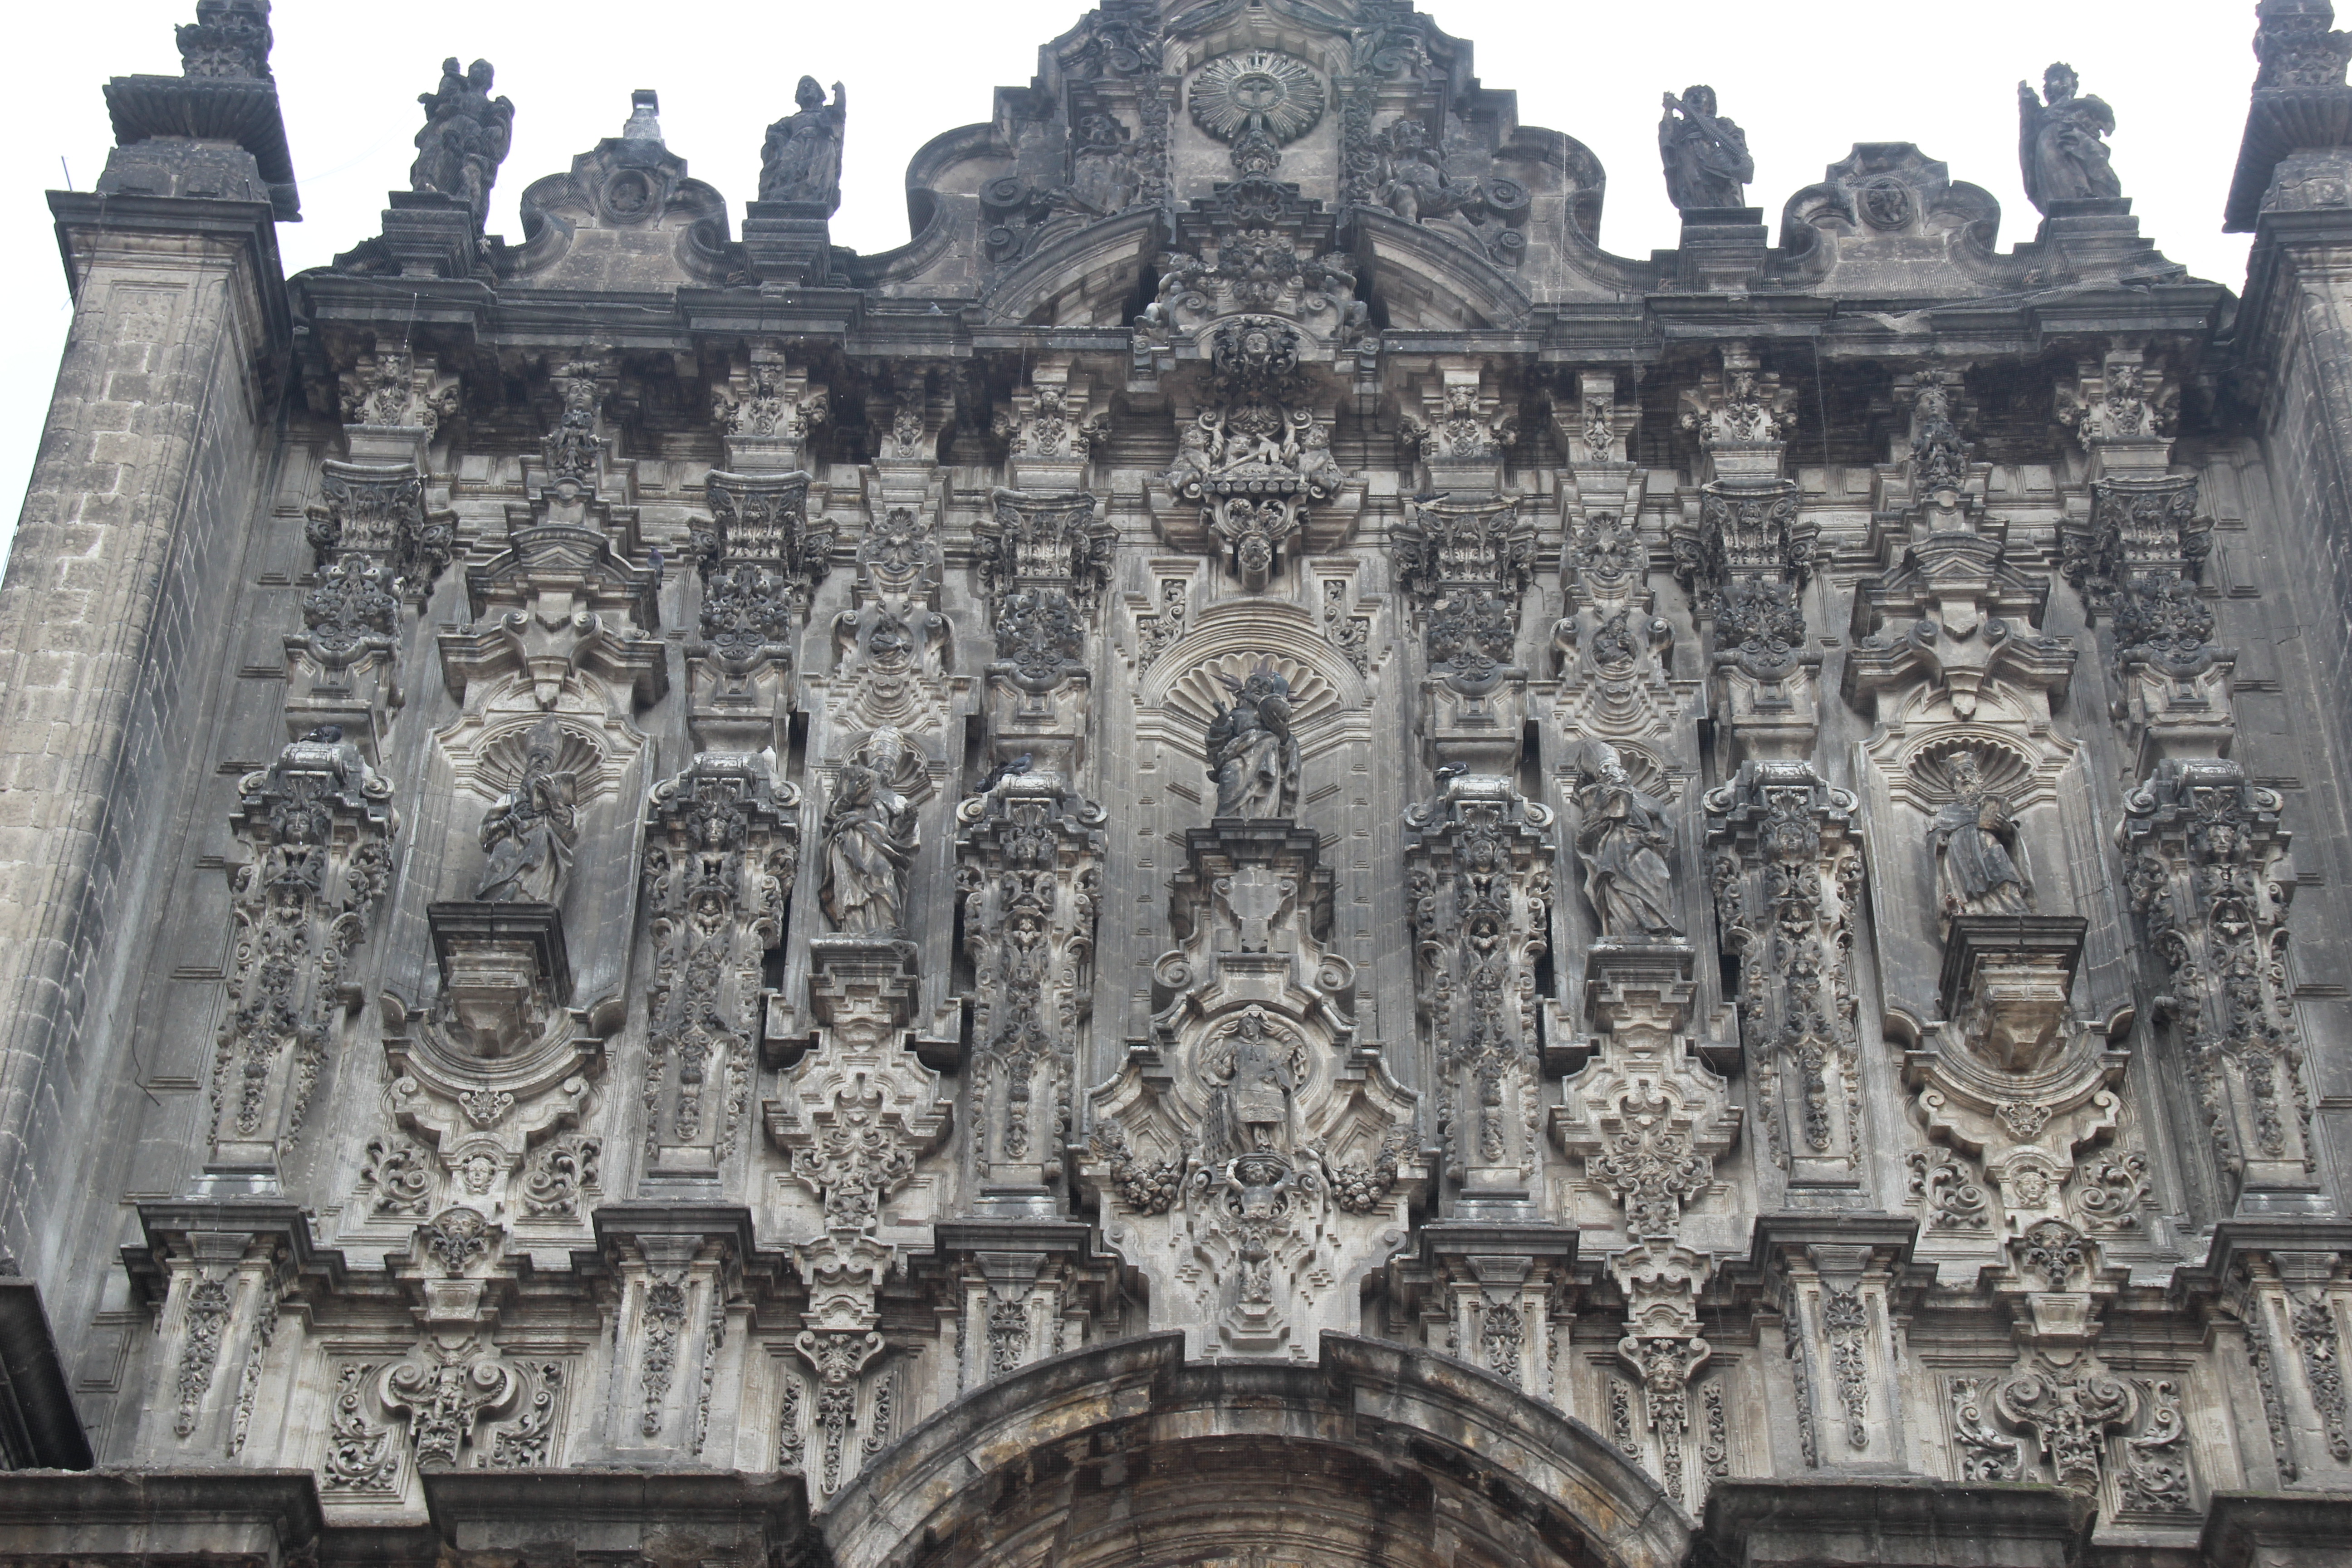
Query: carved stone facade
1249	859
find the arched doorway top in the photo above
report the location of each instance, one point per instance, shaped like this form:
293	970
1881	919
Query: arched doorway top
1125	1456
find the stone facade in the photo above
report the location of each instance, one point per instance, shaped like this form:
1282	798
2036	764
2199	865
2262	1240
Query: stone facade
1248	859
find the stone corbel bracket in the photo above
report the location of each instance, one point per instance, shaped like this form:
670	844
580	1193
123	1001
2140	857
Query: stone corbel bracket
1464	569
2284	1286
1646	1114
501	1062
1972	624
1044	561
1595	427
1052	425
2010	1076
684	1273
560	602
1501	1290
1844	1286
1459	427
767	411
215	1272
859	1109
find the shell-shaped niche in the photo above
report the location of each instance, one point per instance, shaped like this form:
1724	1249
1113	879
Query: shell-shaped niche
497	766
1200	692
1181	692
2002	765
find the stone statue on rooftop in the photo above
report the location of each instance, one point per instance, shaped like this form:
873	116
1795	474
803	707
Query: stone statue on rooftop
1706	159
465	139
2060	141
801	159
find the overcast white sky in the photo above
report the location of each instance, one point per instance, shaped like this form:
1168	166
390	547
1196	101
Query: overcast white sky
1807	79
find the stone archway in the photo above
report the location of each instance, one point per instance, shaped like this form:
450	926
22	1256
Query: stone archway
1123	1455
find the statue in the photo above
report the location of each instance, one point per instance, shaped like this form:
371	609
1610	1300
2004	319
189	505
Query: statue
1256	1202
466	136
2060	143
801	161
1706	158
1254	1081
871	835
1414	184
1253	755
1622	837
1978	854
531	832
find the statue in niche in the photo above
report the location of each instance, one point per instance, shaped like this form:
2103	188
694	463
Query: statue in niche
1706	158
529	833
801	161
466	136
1250	1067
1622	837
1977	853
1253	755
871	835
2060	141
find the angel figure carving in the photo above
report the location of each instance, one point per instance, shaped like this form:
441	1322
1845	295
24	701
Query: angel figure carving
2061	142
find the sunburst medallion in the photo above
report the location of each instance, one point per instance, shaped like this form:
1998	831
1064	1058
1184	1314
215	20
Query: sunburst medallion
1277	93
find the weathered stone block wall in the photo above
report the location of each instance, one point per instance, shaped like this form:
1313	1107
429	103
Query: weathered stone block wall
134	525
2289	578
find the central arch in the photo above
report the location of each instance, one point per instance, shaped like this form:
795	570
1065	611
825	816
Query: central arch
1124	1456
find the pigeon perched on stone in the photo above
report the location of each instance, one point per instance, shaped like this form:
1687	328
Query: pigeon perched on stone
1450	771
1002	771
